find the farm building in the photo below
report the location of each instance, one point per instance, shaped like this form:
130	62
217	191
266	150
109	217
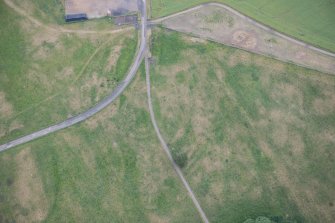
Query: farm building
100	8
75	17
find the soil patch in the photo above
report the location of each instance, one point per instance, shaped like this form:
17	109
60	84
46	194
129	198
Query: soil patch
243	33
6	109
157	219
325	106
29	189
244	39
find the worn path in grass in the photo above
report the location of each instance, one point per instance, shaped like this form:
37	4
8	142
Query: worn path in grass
108	100
166	148
20	11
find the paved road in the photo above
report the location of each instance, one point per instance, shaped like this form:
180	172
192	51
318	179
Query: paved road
101	105
166	148
266	28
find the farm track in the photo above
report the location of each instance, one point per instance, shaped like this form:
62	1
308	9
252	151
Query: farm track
167	150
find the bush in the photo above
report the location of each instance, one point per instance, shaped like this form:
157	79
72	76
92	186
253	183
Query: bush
179	157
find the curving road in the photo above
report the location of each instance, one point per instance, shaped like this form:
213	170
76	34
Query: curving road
101	105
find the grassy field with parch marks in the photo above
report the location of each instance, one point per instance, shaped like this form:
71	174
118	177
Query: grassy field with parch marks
308	20
47	76
109	168
257	134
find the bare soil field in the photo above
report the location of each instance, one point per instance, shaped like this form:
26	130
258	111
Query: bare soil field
99	8
223	26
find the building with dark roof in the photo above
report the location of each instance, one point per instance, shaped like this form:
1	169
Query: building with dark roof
75	17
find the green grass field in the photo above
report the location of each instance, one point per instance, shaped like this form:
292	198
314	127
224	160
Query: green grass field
47	76
309	20
258	133
108	169
51	11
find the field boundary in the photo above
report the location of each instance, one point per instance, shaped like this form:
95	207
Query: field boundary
253	21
